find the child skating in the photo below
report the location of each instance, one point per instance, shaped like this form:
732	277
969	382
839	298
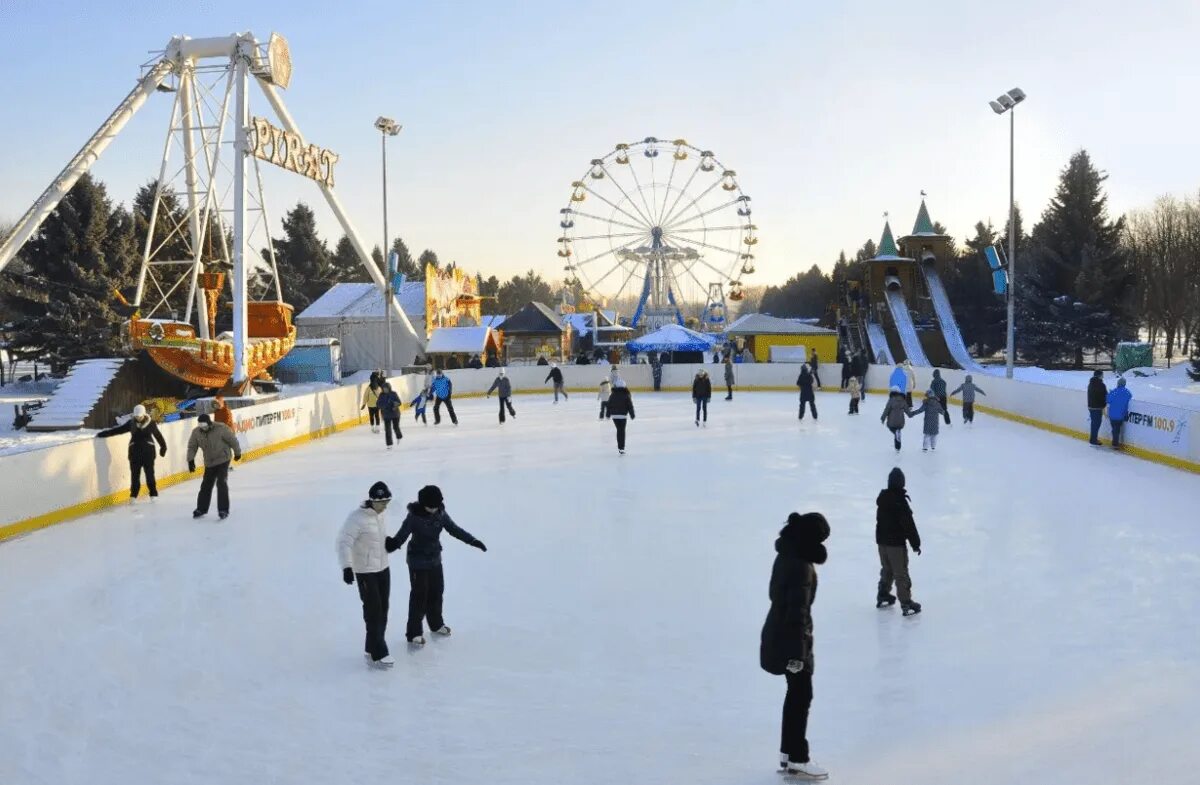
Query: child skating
855	393
895	414
418	406
968	389
932	409
895	530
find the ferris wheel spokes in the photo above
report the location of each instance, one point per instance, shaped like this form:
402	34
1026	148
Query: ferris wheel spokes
626	213
675	159
648	221
641	191
681	220
703	194
682	191
612	221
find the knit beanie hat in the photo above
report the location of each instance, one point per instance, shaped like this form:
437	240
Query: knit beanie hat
896	479
379	492
809	527
204	419
430	496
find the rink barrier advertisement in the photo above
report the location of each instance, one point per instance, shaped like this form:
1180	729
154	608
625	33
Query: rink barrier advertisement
49	485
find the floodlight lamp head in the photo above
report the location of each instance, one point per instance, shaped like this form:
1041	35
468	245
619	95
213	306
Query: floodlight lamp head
1006	101
996	107
1017	95
388	126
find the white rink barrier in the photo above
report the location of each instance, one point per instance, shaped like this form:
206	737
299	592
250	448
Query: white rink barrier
57	483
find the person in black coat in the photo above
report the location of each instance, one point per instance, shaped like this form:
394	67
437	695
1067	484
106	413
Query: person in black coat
701	393
786	648
1097	399
422	529
143	433
556	375
815	362
895	530
805	382
620	408
847	370
389	409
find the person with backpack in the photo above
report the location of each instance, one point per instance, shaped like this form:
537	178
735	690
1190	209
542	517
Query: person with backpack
968	389
786	642
363	556
1097	399
442	389
143	433
503	387
1118	410
895	530
620	408
701	393
805	382
556	375
389	410
895	414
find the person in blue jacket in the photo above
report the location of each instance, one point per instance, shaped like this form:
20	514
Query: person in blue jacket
899	379
1118	410
442	389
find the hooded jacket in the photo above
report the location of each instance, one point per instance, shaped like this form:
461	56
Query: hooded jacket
441	387
805	382
217	444
701	388
422	530
938	385
503	385
968	389
910	376
389	405
361	544
898	379
787	633
894	411
620	403
141	438
1097	393
1118	402
854	387
894	524
555	374
932	408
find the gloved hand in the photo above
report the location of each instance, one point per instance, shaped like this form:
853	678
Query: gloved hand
237	456
348	576
191	466
917	550
479	544
162	452
362	407
795	666
389	544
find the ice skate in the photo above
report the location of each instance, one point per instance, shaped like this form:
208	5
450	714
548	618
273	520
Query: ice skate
912	608
223	515
886	601
697	423
806	771
621	451
417	641
198	514
383	664
444	631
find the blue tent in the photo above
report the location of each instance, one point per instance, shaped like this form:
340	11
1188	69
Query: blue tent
672	338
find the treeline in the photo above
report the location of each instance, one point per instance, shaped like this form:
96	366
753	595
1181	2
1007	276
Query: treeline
1084	281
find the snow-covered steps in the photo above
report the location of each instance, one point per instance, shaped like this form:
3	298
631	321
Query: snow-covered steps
77	394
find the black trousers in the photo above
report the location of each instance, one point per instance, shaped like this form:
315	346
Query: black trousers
391	424
506	403
896	436
603	409
425	600
701	405
908	398
794	738
816	378
811	402
729	386
214	475
968	411
619	422
374	588
1116	431
560	390
945	409
854	406
657	381
437	411
373	415
137	465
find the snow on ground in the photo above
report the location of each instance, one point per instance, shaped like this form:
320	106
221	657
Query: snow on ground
1170	386
610	633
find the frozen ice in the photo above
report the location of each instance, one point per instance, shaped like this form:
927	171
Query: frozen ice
610	633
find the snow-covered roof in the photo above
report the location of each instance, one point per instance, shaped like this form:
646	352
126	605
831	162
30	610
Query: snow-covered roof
672	338
492	320
316	341
761	324
582	322
363	302
456	340
76	395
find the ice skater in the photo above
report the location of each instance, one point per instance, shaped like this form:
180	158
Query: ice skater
556	375
701	393
143	433
363	555
603	396
938	385
503	387
895	530
620	408
370	402
933	411
729	378
389	411
910	381
418	406
422	529
656	371
815	364
786	647
442	390
855	393
894	414
805	382
968	389
217	445
1118	410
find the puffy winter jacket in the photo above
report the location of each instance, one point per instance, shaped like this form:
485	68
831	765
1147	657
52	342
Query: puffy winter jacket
370	397
389	405
787	633
1118	403
362	542
503	385
217	444
620	403
441	387
729	373
805	382
224	415
894	524
932	408
894	411
554	374
701	388
141	438
1097	395
423	530
898	379
968	390
910	377
938	385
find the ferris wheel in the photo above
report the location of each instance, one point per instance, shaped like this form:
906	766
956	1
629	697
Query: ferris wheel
665	222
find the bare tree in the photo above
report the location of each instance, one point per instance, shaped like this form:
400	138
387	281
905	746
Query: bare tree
1162	243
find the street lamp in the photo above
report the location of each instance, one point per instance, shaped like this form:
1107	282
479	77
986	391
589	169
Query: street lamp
386	127
1007	103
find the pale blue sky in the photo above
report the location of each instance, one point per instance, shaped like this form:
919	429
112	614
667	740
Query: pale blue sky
831	114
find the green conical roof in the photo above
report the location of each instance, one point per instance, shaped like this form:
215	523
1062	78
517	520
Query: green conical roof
923	225
887	244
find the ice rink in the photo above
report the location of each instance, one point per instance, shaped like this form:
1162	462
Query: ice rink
610	633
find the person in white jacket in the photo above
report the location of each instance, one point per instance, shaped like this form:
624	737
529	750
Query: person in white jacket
363	555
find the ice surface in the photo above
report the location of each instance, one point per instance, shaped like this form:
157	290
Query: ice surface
610	633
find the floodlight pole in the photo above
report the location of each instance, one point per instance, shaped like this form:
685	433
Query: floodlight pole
387	289
1010	353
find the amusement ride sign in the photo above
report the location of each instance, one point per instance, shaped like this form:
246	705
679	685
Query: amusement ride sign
286	149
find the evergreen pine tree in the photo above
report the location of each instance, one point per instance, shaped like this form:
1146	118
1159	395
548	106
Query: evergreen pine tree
305	266
405	263
980	312
346	265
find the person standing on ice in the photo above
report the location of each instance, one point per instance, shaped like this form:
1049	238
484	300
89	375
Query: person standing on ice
933	412
389	410
847	370
968	389
620	408
855	393
503	387
370	402
363	555
603	396
656	371
1097	399
899	379
815	364
701	393
442	389
143	433
1118	410
422	529
556	375
217	445
938	385
895	529
805	382
786	646
910	381
895	414
729	378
